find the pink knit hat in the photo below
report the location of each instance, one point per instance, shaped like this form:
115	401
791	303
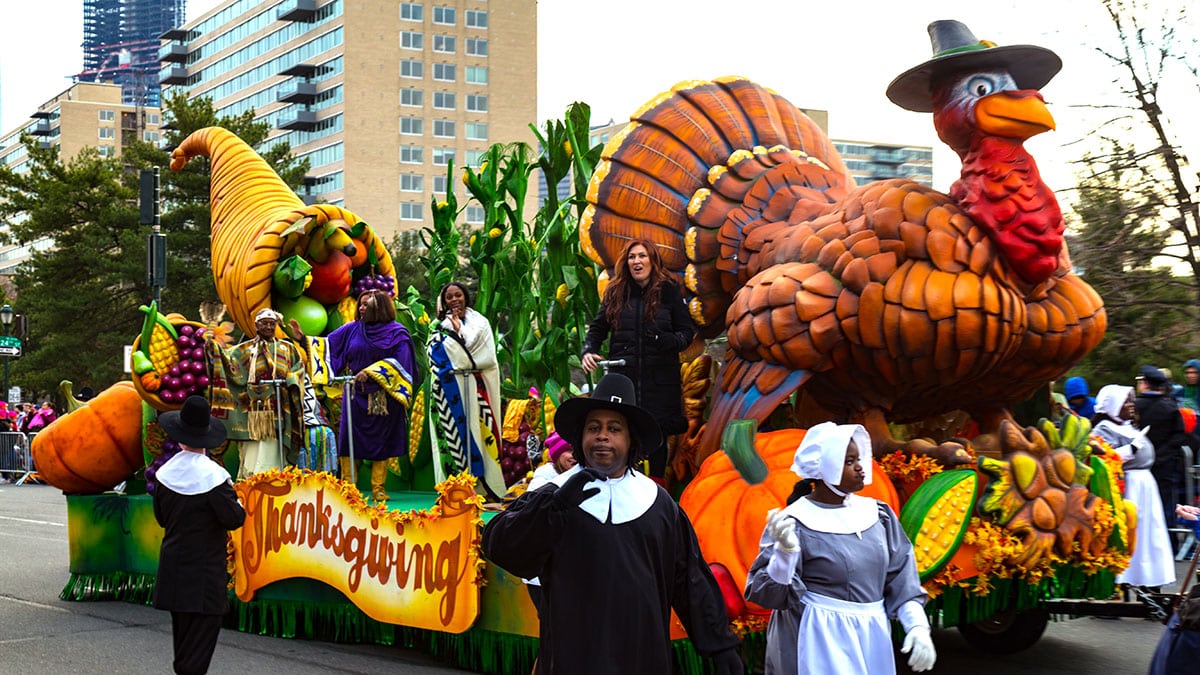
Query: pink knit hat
555	446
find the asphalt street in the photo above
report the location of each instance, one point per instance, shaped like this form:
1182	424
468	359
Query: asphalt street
39	633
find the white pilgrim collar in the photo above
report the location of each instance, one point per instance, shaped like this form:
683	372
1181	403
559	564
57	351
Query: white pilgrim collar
854	516
191	473
627	497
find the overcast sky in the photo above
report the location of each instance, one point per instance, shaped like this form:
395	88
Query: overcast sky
837	55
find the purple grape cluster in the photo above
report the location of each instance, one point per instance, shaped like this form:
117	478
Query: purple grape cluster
375	282
514	457
169	448
190	375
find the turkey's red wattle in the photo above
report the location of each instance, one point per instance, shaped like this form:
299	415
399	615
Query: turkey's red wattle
1001	189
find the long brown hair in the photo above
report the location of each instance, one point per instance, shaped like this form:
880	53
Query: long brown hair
379	308
617	293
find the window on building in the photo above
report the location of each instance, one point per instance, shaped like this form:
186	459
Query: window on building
474	214
153	118
412	126
150	136
412	97
412	40
443	72
106	151
443	44
107	115
443	156
108	132
443	100
476	103
410	182
476	74
439	186
411	211
477	47
443	128
444	15
476	18
413	69
412	11
412	154
476	131
475	157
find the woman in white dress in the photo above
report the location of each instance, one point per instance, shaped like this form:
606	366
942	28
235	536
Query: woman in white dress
1152	563
836	566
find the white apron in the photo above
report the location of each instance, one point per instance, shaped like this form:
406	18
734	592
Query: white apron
1152	563
842	637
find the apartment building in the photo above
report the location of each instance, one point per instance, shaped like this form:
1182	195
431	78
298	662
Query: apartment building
379	95
84	115
871	161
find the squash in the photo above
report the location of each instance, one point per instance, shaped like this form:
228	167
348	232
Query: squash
729	513
95	447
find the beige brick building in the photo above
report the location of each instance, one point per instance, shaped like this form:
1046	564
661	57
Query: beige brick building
85	115
379	95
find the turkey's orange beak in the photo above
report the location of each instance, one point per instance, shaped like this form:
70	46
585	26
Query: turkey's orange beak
1013	114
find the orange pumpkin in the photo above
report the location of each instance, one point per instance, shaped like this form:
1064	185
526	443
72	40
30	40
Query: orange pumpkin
729	514
95	447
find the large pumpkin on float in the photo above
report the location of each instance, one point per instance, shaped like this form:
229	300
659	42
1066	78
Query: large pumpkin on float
729	514
95	447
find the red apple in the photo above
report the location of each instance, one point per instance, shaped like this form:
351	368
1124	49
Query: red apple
330	279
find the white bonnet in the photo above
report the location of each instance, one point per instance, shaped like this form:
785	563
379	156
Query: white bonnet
822	453
1111	398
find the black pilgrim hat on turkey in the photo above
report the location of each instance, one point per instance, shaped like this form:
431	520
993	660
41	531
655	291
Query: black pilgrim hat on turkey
192	425
616	392
955	48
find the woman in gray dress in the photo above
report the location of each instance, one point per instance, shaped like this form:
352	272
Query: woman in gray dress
836	566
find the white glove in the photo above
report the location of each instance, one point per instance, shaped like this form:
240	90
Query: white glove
920	644
783	530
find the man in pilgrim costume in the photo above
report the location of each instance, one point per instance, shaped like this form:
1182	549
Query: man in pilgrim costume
613	551
196	505
245	397
835	566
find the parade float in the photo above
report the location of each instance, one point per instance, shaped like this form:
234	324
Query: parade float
927	317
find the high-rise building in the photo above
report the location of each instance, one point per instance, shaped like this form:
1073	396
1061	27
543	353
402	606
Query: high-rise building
380	96
84	115
871	161
120	44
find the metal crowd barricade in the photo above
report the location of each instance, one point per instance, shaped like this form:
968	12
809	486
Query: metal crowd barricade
1191	476
16	462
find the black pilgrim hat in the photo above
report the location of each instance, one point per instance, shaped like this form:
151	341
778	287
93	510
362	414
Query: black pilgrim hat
192	425
956	48
616	392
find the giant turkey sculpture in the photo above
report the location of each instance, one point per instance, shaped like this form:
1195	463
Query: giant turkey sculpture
889	302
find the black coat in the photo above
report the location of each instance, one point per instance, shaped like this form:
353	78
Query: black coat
191	565
651	351
1161	413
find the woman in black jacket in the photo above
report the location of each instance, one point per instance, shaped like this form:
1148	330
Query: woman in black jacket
644	312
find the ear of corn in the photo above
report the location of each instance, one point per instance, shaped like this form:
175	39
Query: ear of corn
1102	486
416	424
157	340
935	518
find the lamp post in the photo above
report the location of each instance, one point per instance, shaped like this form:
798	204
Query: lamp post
6	318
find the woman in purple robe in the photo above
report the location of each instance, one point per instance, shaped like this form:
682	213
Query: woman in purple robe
378	352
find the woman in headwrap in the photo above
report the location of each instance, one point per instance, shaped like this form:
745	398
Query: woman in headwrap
836	566
1152	563
466	381
378	352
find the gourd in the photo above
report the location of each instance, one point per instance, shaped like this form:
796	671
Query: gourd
95	447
